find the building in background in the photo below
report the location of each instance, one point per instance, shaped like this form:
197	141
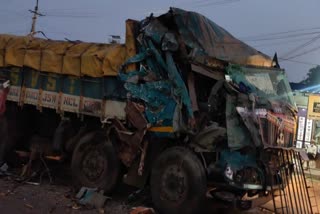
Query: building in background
308	127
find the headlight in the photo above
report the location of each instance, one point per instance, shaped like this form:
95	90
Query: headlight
228	172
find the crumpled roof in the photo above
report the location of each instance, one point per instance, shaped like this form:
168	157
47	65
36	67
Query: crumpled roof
205	37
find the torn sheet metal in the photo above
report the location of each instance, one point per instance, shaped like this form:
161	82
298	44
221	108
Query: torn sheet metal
168	92
154	29
192	92
130	141
180	91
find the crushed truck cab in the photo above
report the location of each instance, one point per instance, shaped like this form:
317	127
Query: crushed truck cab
183	105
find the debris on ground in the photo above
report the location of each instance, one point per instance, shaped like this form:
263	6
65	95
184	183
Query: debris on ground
91	197
142	210
28	206
76	206
135	195
4	167
140	197
33	183
4	170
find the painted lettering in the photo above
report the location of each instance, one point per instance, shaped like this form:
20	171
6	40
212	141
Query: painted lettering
91	106
70	101
14	92
52	84
14	78
72	85
49	98
34	79
32	95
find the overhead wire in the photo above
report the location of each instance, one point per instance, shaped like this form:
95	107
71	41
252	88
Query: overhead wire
215	3
291	34
49	32
278	33
288	39
193	4
11	19
70	16
206	2
281	43
284	37
294	50
266	44
71	13
68	9
299	62
304	53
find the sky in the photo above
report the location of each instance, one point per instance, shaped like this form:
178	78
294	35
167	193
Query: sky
290	28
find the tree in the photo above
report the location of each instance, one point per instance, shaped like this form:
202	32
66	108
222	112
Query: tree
313	76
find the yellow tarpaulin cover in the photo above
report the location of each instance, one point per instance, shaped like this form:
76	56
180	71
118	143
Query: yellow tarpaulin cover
71	58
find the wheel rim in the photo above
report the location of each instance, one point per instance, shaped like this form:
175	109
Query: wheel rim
93	164
174	184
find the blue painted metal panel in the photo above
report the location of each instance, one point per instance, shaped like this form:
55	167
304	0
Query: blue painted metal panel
92	87
51	82
31	79
71	85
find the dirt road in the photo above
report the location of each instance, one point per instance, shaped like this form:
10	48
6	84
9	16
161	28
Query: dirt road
59	198
45	198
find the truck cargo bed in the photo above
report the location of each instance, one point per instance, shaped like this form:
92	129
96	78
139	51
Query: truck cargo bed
99	97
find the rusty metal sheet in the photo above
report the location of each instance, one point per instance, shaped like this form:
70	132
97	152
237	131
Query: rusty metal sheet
134	113
192	92
130	141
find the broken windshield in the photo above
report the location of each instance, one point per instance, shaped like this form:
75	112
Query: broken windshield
266	83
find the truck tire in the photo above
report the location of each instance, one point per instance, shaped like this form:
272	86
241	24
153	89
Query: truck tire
95	163
178	181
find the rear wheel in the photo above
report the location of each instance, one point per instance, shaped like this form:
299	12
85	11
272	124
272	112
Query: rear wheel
95	164
178	181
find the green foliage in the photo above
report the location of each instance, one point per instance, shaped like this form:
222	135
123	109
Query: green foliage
313	76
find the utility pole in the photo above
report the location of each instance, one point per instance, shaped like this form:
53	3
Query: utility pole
34	18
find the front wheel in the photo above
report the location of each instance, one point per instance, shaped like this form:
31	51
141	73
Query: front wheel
178	181
95	164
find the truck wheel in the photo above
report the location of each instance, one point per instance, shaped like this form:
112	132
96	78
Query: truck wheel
178	181
95	164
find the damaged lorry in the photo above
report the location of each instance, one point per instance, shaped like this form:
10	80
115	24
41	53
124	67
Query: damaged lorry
182	107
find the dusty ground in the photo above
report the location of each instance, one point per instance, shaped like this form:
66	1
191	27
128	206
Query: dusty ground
59	198
56	199
45	198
